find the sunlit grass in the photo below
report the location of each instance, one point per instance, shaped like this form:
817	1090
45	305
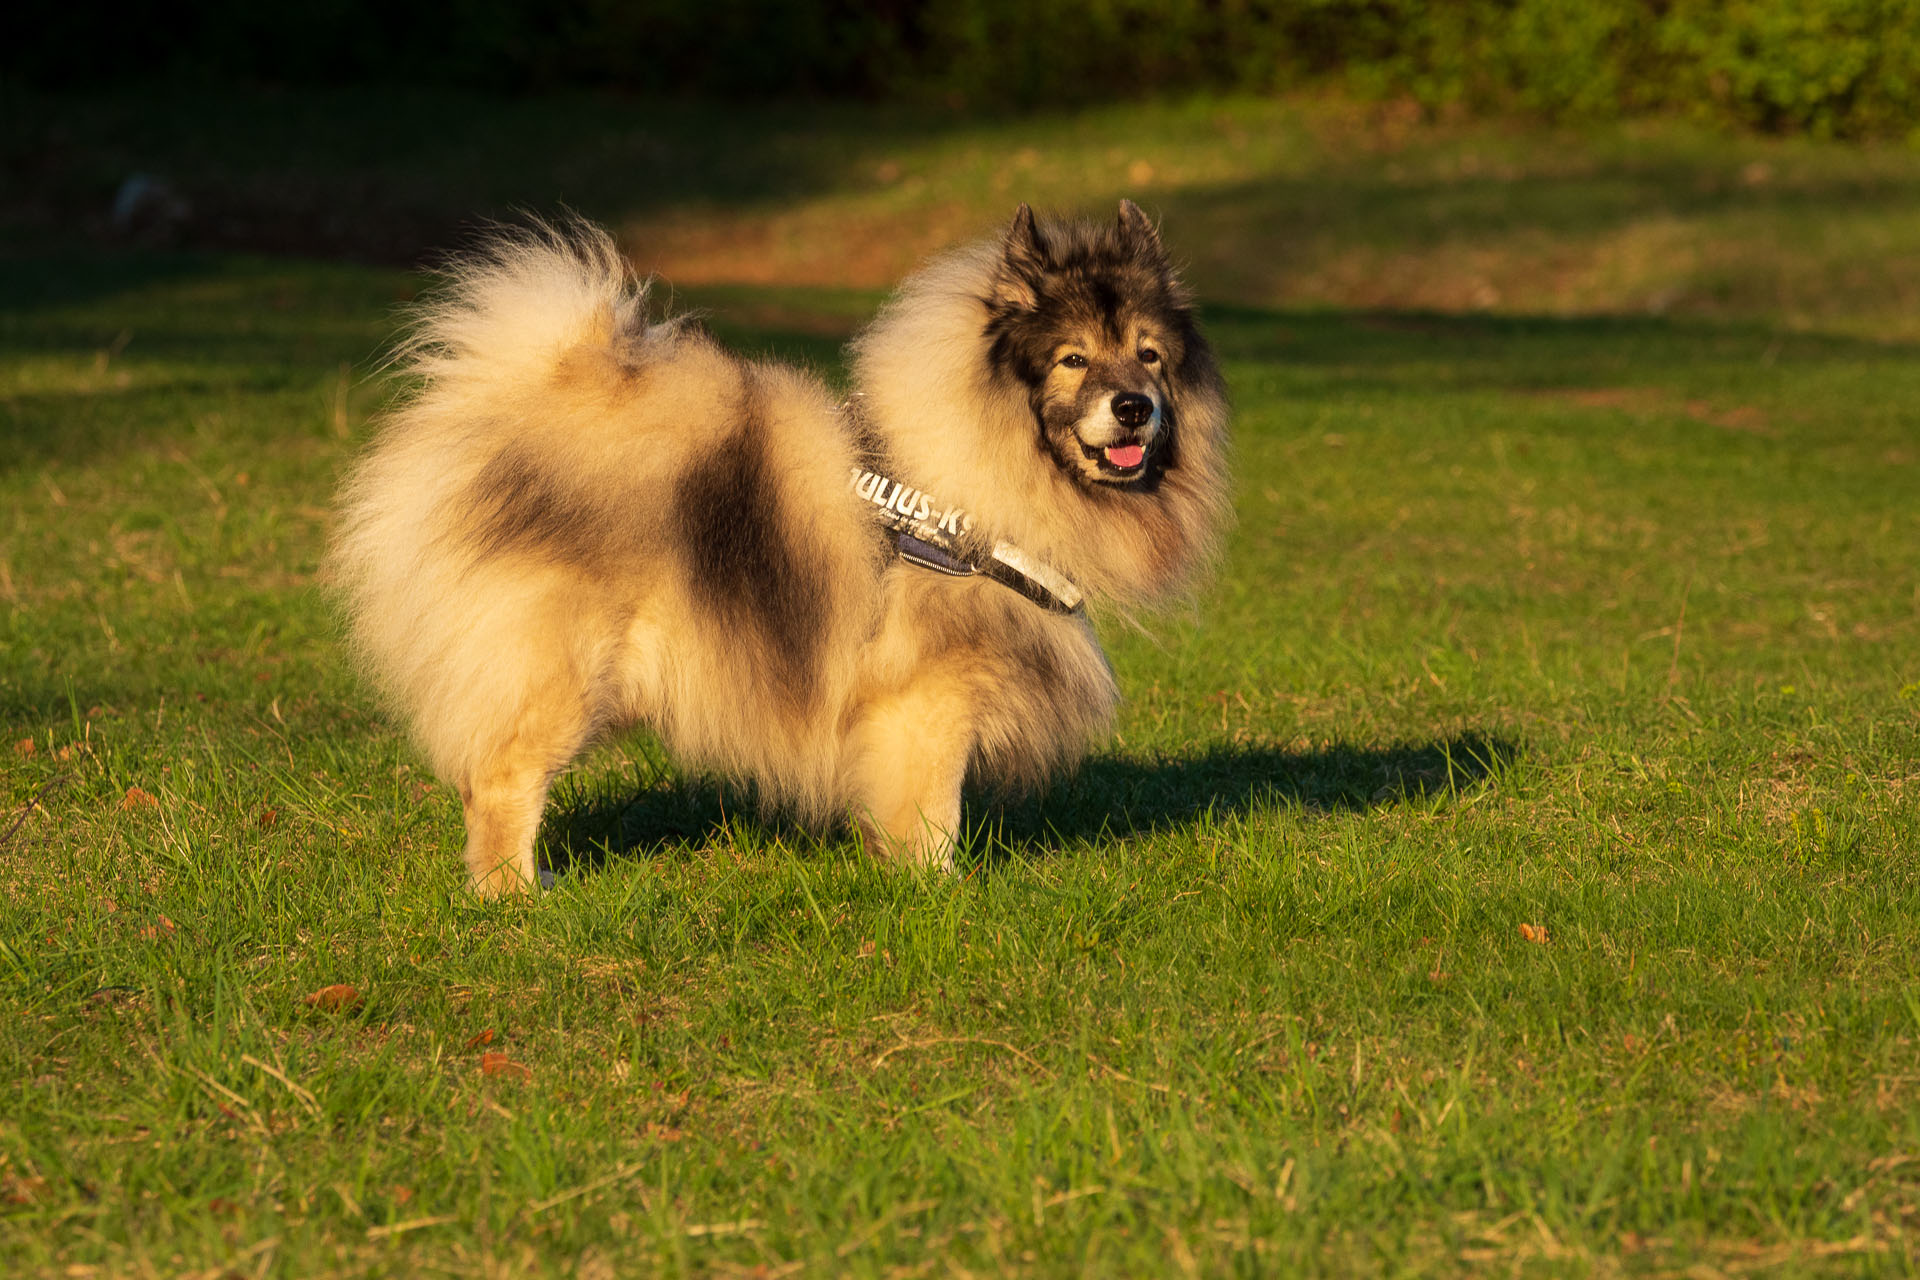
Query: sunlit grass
1604	626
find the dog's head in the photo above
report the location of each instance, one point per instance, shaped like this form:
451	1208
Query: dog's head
1091	321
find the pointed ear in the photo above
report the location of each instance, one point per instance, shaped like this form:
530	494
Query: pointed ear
1137	230
1023	261
1026	247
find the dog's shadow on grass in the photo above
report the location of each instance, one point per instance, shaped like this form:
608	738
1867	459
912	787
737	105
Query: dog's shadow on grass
1108	797
1118	797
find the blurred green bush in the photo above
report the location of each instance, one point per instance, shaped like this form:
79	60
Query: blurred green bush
1829	67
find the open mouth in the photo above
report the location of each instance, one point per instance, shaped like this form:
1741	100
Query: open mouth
1117	461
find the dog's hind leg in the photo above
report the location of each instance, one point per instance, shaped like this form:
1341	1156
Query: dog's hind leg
910	756
505	788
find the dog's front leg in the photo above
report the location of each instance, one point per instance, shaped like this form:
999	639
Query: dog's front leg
911	751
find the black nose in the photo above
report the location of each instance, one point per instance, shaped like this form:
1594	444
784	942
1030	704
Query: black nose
1132	409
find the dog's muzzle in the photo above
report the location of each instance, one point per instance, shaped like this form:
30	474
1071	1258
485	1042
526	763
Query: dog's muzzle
1118	437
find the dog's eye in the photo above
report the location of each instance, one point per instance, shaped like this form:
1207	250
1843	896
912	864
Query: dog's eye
1074	361
1149	356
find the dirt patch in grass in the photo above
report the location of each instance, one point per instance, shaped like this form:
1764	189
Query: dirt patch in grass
824	244
1647	402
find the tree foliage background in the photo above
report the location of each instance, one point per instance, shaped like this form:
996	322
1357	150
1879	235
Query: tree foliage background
1847	68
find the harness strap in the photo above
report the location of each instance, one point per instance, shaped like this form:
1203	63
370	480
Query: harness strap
938	538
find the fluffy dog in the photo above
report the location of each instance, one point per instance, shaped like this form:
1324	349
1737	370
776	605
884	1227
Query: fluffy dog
584	520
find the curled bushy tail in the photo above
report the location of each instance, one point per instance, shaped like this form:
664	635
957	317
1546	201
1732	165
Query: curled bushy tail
563	467
426	616
524	296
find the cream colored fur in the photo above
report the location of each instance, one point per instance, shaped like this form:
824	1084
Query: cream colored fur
534	554
919	366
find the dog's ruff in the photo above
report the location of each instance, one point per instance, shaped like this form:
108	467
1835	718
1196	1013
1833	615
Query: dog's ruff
583	520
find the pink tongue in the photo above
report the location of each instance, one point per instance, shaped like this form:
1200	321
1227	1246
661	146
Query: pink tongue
1125	456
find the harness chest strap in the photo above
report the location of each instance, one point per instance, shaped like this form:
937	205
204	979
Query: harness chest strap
933	537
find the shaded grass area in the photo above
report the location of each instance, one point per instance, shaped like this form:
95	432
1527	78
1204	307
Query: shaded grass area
1604	626
1291	203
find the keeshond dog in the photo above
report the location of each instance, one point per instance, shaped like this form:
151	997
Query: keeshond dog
585	519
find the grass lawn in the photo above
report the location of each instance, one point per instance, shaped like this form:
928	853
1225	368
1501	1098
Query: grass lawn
1596	613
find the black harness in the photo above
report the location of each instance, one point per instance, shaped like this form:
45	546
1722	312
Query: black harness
926	534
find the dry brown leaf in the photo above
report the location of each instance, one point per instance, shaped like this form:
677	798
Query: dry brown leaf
15	1189
1534	933
485	1037
24	747
160	928
334	998
138	799
499	1064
